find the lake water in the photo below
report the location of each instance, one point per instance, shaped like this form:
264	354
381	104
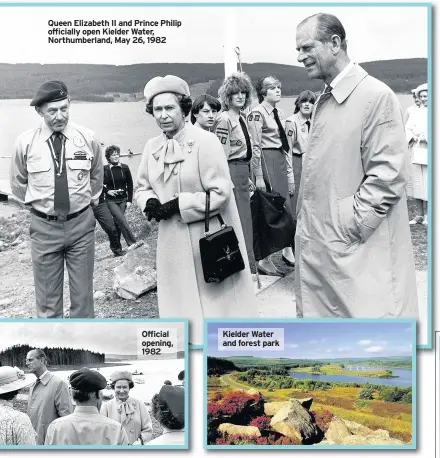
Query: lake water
155	372
123	123
404	377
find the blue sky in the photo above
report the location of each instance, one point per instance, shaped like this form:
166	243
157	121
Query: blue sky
326	340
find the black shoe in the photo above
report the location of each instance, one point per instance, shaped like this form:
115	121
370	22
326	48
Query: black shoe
289	263
118	253
263	271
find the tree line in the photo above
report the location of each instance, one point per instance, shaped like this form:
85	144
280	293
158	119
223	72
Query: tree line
57	356
21	80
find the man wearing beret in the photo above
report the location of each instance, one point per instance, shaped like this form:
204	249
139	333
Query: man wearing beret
86	426
57	171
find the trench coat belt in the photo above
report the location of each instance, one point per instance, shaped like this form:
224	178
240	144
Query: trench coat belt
58	217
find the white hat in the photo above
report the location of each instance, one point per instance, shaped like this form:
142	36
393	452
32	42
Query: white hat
168	83
419	89
12	379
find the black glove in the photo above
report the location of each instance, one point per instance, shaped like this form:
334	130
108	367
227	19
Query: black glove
151	208
168	209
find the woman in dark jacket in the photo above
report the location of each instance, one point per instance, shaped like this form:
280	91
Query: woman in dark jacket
118	189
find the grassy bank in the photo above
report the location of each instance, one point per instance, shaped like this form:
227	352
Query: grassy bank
344	403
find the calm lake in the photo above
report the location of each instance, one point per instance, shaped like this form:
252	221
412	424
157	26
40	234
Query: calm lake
404	377
123	123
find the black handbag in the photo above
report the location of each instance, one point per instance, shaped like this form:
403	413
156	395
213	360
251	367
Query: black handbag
273	226
219	252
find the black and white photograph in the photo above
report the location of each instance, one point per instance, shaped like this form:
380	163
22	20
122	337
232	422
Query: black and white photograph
71	384
223	162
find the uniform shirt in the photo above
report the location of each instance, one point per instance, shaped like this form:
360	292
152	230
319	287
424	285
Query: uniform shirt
297	136
85	426
229	132
139	425
48	399
264	132
15	427
32	168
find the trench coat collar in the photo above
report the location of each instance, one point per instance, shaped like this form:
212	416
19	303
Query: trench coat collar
44	379
348	84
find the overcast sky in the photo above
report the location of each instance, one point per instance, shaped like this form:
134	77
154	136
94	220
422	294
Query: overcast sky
327	340
114	337
263	34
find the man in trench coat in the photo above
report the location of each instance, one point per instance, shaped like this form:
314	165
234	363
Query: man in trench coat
353	245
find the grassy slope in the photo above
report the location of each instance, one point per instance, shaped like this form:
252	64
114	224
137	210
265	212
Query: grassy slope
341	401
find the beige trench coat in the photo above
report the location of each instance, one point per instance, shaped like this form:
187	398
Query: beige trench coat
182	291
354	254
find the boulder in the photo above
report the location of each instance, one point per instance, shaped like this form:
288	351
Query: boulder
306	402
137	274
271	408
229	428
370	440
295	422
337	431
98	295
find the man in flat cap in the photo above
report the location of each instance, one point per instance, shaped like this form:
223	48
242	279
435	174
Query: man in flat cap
57	171
48	397
86	426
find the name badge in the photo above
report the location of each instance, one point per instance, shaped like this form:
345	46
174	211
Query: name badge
80	155
79	141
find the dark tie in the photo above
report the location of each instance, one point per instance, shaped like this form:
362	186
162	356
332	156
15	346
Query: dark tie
308	125
283	137
61	198
323	97
248	139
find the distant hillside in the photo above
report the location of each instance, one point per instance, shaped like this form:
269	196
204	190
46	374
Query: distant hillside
116	357
250	361
87	82
220	366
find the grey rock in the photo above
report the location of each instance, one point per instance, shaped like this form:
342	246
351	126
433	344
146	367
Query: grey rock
137	274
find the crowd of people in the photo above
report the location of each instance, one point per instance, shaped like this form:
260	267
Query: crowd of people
73	413
341	163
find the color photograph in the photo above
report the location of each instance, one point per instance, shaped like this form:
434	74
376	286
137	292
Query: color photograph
96	384
334	384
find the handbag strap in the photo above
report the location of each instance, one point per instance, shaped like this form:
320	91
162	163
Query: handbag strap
207	209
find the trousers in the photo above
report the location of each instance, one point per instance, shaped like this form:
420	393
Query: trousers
54	243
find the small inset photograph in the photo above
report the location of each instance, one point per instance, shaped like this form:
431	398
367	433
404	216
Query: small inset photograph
101	384
336	384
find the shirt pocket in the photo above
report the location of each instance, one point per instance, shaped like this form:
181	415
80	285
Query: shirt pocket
79	170
39	171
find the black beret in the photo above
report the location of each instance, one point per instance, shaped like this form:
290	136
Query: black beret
87	380
174	397
51	91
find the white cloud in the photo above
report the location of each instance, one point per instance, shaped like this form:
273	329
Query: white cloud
365	342
292	345
343	350
374	349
